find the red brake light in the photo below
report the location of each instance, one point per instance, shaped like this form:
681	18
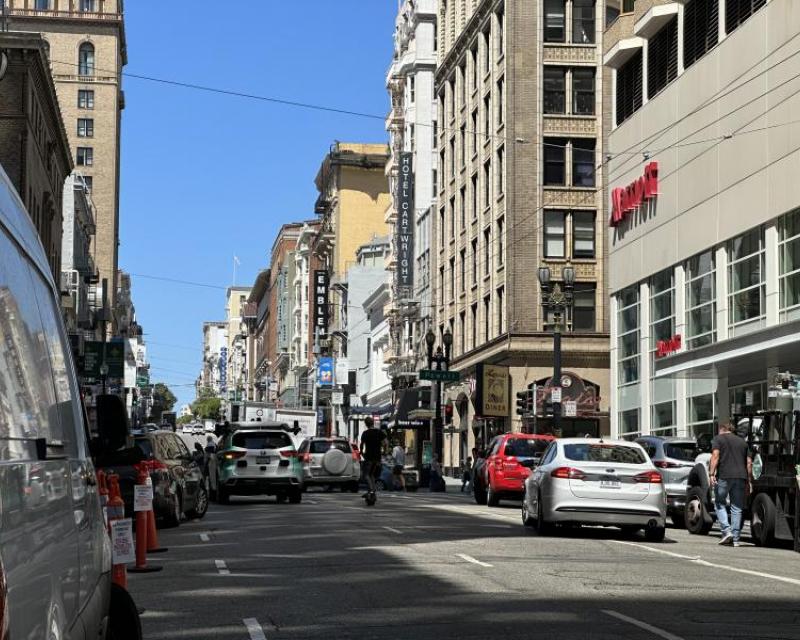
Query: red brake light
651	477
568	473
356	454
664	464
234	455
289	453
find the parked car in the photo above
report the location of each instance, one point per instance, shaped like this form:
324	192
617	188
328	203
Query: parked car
387	481
507	464
258	460
331	462
674	459
197	429
187	429
596	482
55	554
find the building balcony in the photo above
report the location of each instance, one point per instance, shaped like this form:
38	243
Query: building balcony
54	14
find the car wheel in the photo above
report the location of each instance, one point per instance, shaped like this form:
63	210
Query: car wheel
380	485
201	504
543	527
222	495
762	520
479	493
295	497
678	519
492	499
527	519
696	517
173	518
281	498
655	534
123	616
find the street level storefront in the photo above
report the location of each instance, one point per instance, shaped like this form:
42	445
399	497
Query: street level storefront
704	234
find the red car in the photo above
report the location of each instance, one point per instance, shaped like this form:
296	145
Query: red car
508	463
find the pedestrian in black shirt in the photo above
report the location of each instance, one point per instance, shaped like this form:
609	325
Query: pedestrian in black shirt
371	450
730	470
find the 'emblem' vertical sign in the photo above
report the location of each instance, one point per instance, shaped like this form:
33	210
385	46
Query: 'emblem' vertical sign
405	226
321	302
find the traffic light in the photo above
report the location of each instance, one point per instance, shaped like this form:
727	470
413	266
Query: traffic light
522	403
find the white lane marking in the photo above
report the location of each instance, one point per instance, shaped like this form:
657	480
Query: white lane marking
312	502
464	556
706	563
642	625
222	568
393	530
204	537
254	629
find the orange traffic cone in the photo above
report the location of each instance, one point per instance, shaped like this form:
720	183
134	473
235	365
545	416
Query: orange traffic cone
152	534
141	565
116	511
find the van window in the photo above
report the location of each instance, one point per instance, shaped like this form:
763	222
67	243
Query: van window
28	406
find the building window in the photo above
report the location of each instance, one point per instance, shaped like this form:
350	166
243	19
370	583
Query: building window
662	58
487	49
88	181
789	256
500	36
435	134
88	5
700	412
462	143
583	234
452	279
627	6
441	286
453	218
474	196
555	20
583	28
85	156
474	261
701	300
452	156
474	321
441	227
412	89
555	90
555	158
435	180
462	331
85	99
583	307
487	318
501	83
628	335
462	76
500	310
746	289
500	170
629	428
554	234
474	58
737	11
86	59
487	117
443	167
629	88
700	29
500	242
583	92
475	131
85	128
463	256
662	309
662	419
583	163
487	183
462	204
42	5
487	250
748	397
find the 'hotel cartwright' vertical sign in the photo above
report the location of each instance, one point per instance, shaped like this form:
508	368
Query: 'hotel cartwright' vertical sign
405	227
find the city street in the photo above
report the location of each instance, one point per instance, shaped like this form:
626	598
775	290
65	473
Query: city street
435	566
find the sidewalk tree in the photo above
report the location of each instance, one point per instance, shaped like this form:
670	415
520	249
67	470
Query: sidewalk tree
207	405
186	419
163	400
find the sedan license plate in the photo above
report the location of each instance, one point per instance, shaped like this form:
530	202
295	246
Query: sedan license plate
263	459
610	483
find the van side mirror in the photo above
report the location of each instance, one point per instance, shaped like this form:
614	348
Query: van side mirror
112	422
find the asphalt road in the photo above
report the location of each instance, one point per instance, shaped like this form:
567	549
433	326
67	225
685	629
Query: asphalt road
432	566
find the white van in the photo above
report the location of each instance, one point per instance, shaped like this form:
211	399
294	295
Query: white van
55	556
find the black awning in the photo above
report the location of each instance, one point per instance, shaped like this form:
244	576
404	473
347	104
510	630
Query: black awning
408	401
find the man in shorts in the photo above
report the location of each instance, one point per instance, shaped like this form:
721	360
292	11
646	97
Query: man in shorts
399	456
371	450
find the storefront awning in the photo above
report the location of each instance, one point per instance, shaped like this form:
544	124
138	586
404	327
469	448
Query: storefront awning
741	359
409	401
372	410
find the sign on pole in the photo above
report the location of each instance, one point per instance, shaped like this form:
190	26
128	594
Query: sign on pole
439	376
570	408
337	397
555	394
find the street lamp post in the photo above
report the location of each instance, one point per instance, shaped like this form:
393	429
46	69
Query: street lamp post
559	301
442	360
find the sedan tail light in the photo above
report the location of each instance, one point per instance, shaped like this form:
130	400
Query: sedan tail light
568	473
665	464
651	477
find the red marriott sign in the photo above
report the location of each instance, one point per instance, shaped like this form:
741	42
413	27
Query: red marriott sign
627	199
666	347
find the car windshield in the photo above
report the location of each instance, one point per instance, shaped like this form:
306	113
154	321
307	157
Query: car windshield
261	440
145	446
619	453
322	446
526	447
681	450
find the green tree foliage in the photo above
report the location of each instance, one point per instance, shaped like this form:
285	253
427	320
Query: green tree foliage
163	400
207	405
185	420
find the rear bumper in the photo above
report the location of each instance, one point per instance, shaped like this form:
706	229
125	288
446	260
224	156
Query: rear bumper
508	486
259	486
607	516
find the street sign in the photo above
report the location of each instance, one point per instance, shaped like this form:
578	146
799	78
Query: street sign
439	376
337	397
555	394
570	408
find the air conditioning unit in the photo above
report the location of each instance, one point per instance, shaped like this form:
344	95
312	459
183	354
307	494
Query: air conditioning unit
70	280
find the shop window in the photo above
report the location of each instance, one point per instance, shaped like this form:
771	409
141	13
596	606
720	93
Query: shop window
737	11
628	335
583	307
747	398
583	234
700	29
554	234
583	92
629	425
663	419
629	88
789	256
746	284
662	310
555	90
555	20
662	58
700	412
701	300
583	28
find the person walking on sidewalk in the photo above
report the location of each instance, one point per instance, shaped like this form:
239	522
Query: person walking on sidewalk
466	476
399	456
730	470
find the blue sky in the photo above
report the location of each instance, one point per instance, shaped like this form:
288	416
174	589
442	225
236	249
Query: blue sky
205	177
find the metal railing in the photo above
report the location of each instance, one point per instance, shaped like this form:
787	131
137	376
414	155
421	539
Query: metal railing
73	15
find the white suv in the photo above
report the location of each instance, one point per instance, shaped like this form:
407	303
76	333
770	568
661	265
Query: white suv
330	461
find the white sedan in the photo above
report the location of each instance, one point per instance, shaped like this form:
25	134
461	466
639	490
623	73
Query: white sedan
596	482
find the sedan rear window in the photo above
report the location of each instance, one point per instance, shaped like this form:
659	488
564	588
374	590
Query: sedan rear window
686	451
261	440
526	447
322	446
619	453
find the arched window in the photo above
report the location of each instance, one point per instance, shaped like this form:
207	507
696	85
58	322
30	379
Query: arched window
86	59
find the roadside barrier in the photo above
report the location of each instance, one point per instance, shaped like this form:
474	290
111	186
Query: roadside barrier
116	512
152	534
142	505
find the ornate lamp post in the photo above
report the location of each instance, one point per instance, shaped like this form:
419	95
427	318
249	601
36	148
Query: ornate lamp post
442	360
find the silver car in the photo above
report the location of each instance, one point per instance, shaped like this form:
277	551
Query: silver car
330	461
595	482
674	457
